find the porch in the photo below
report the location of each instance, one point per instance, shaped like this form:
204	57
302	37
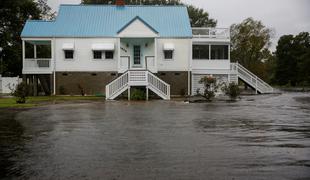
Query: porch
137	54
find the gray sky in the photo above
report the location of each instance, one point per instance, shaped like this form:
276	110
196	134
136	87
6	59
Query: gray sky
283	16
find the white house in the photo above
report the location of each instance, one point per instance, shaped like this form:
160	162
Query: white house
110	48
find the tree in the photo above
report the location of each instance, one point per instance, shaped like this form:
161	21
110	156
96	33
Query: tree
250	41
13	15
198	17
293	60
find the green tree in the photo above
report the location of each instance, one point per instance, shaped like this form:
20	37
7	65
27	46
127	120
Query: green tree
250	41
293	60
13	15
198	17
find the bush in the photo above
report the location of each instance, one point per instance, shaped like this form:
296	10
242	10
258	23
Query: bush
232	90
137	94
210	87
21	92
62	90
82	92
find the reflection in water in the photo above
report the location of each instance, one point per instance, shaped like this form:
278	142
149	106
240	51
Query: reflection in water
259	137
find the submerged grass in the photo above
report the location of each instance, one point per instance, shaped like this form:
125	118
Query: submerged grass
9	102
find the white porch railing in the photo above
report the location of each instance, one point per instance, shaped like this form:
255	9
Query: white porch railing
117	86
37	63
217	33
250	78
138	78
160	87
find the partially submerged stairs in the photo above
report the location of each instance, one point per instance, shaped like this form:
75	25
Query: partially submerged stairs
238	71
137	78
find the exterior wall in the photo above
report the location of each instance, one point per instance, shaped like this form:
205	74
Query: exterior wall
83	55
30	65
148	50
91	82
137	29
211	66
177	80
221	78
181	55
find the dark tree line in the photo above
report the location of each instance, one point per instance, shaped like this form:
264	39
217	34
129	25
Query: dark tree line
13	15
293	60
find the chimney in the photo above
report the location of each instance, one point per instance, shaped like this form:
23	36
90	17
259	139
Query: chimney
120	3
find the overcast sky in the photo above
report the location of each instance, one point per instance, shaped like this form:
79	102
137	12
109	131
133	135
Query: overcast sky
283	16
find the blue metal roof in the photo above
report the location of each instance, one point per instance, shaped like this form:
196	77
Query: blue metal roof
108	20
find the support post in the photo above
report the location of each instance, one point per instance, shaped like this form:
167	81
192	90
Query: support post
147	93
256	85
129	93
35	85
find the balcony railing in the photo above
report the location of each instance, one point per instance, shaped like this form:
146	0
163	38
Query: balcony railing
217	33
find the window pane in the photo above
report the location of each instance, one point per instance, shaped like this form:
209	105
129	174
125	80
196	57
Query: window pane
200	51
97	54
168	54
69	54
29	50
109	54
44	51
219	51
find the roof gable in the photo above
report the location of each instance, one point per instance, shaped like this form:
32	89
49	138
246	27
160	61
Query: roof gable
108	20
137	27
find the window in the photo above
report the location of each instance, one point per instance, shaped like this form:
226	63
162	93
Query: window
201	51
168	54
44	51
68	54
219	51
29	50
97	54
109	54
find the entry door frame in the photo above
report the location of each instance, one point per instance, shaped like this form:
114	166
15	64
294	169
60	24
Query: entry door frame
137	55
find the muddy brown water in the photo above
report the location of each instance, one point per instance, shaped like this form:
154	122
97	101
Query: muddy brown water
258	137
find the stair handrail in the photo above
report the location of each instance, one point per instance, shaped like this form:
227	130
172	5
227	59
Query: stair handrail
116	85
259	80
166	85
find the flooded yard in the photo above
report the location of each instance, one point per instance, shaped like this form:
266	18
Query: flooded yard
258	137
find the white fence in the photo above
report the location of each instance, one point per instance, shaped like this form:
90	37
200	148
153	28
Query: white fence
7	84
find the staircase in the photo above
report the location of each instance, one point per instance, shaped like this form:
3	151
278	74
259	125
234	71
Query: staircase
238	71
137	78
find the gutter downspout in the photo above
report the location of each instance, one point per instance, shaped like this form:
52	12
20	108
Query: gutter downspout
54	69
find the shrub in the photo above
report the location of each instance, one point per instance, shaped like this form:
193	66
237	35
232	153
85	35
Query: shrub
232	90
21	92
82	92
210	87
137	94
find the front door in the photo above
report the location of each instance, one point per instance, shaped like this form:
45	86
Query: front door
137	55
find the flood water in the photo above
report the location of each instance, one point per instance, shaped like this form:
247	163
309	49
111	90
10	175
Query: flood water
258	137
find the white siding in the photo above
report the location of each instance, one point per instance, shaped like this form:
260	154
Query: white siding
137	29
196	78
145	50
83	55
211	66
181	55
